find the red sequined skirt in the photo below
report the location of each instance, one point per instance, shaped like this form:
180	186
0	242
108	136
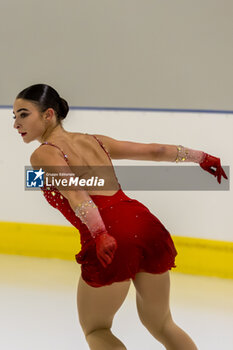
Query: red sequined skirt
143	242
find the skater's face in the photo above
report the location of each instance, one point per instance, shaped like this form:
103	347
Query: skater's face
30	123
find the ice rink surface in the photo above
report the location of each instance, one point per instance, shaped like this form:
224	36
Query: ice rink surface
38	308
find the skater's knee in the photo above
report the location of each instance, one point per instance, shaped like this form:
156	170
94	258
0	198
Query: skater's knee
158	326
103	336
166	324
94	331
166	329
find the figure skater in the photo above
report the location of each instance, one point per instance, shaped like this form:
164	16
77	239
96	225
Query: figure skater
121	239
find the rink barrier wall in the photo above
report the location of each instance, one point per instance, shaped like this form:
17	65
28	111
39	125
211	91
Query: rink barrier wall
196	256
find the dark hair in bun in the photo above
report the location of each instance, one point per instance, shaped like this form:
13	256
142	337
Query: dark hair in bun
64	108
44	96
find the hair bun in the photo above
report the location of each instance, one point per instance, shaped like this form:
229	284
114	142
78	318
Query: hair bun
64	108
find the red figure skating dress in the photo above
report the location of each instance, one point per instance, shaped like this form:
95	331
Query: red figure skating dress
143	243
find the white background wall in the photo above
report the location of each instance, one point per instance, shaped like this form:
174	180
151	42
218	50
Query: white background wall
204	214
122	53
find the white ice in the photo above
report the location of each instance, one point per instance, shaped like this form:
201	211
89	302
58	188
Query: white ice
38	308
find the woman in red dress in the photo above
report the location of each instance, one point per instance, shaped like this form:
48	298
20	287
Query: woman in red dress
121	239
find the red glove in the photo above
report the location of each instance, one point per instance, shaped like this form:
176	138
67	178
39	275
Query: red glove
106	246
209	162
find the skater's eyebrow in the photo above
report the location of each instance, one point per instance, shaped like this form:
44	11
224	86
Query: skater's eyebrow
21	109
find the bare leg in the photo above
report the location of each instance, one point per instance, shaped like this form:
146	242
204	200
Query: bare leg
96	309
153	292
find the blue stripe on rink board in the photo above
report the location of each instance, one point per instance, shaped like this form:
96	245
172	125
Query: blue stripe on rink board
210	111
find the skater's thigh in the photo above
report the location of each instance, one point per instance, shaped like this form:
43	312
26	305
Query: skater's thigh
97	306
152	298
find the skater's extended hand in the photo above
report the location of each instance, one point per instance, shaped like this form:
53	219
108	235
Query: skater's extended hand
106	246
209	163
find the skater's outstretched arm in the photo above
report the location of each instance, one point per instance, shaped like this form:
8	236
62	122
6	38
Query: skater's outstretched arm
162	152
